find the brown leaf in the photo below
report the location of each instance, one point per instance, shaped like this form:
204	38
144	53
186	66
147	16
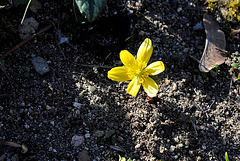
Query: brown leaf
215	45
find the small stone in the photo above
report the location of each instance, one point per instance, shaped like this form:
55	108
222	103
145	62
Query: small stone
28	27
22	104
1	108
91	89
172	148
128	116
26	126
167	81
161	149
40	65
141	33
137	146
87	135
198	27
78	105
99	134
77	140
179	9
174	86
52	123
198	158
186	50
48	107
83	156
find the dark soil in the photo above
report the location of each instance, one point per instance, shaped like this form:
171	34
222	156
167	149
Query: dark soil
196	116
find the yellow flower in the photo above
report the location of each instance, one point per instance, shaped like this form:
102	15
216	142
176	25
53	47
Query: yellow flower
136	70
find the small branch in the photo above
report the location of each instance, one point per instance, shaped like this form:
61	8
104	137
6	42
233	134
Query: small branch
97	66
9	143
26	40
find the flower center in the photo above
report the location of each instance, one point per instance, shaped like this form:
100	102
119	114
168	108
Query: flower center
141	74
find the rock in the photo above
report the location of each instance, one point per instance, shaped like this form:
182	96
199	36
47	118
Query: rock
179	9
198	27
78	105
40	65
91	89
186	50
137	146
172	148
77	140
99	133
83	156
141	33
87	135
28	27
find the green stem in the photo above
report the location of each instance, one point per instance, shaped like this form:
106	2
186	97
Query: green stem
26	11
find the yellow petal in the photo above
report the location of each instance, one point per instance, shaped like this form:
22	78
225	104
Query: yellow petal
155	68
118	74
127	58
145	51
133	87
150	87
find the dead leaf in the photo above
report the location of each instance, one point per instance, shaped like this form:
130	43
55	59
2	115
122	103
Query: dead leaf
35	5
215	45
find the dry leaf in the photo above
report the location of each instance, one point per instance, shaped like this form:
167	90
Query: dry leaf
215	45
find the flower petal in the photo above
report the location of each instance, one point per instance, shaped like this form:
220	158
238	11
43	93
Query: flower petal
155	68
127	58
145	51
150	87
134	87
118	74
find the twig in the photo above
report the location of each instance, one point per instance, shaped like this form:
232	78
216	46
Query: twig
9	143
194	58
97	66
26	40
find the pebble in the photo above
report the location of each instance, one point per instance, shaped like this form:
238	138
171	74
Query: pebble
78	105
48	107
83	156
77	140
174	86
141	33
87	135
99	133
137	146
1	108
198	27
26	126
28	27
40	65
91	89
172	148
161	149
186	50
179	9
198	158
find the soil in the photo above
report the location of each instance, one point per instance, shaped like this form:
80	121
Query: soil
74	112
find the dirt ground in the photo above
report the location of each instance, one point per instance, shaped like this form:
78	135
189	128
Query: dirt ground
74	112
